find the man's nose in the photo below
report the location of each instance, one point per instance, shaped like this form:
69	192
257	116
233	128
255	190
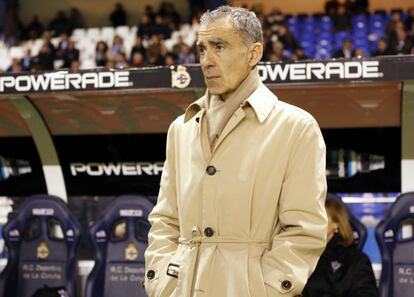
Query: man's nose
207	60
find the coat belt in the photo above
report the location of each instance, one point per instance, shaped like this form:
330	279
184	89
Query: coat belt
197	240
185	288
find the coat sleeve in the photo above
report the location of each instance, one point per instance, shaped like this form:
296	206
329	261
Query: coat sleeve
363	280
164	233
300	235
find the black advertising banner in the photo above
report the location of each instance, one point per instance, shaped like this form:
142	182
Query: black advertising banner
111	164
167	77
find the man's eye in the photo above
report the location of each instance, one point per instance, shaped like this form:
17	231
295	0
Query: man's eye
219	47
201	50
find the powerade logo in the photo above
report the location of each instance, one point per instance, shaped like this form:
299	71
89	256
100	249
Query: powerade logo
116	169
320	71
63	80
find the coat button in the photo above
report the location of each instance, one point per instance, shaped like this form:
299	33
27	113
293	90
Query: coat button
198	120
211	170
286	285
150	274
208	232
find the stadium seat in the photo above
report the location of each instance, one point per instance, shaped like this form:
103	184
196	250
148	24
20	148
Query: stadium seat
93	34
340	36
107	34
358	228
16	52
395	238
123	31
325	24
119	238
323	53
42	241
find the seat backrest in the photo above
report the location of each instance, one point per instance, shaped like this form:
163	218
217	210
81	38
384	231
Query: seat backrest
395	238
358	228
42	240
119	237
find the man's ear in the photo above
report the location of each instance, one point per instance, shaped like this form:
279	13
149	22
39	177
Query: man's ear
255	54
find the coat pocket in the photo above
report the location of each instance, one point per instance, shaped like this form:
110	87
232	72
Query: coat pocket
171	274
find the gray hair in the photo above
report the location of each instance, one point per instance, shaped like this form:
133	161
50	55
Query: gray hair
244	21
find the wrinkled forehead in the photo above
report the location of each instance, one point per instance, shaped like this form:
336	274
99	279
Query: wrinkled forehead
221	28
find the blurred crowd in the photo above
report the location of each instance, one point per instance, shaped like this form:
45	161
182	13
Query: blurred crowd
157	25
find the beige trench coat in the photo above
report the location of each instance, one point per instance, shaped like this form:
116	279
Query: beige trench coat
246	219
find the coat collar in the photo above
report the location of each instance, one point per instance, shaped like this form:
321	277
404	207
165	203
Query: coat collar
262	100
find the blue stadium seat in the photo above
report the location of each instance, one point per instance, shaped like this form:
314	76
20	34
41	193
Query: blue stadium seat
377	22
395	238
294	26
120	239
340	36
358	228
323	53
42	241
325	24
359	19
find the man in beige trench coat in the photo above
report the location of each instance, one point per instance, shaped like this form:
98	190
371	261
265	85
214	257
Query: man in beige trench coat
240	211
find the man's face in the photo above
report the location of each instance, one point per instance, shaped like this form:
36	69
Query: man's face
224	57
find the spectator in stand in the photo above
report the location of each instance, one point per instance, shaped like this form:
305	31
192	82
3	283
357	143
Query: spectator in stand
117	46
170	59
410	19
289	41
13	27
359	53
342	270
361	6
15	66
176	49
60	24
71	54
149	11
121	61
145	29
119	16
75	65
331	7
347	51
170	15
156	51
342	20
34	29
395	23
277	52
357	6
186	56
137	60
273	20
403	44
299	54
44	60
50	47
27	61
138	47
62	46
76	19
383	49
101	54
197	7
160	27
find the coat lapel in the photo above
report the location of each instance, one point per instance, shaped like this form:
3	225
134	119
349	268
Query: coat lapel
237	117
